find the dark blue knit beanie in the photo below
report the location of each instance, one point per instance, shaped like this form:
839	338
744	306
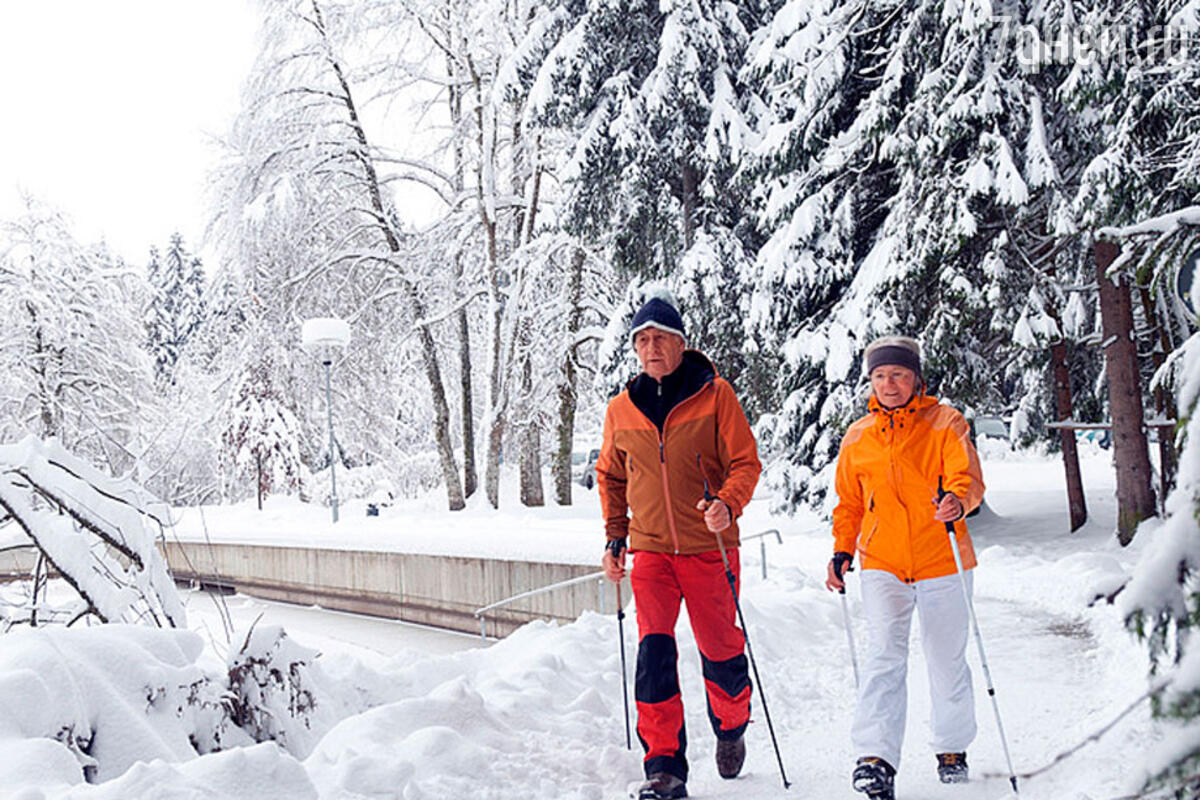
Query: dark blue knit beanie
656	313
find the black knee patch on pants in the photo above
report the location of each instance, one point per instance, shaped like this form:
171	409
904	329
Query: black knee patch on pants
657	677
732	676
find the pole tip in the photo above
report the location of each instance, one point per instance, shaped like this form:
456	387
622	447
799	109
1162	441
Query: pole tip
1013	779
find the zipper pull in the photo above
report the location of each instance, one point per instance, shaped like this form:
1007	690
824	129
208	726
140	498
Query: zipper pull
662	459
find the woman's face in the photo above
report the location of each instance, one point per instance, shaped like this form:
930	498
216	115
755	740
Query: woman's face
893	385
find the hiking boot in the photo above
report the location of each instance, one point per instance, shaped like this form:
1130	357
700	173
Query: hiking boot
662	786
952	767
876	778
730	755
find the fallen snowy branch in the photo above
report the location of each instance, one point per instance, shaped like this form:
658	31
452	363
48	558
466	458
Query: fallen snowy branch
1190	782
93	531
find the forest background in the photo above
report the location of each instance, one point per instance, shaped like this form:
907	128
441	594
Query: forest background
804	176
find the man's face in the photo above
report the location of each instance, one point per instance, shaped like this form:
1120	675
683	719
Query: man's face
893	385
660	352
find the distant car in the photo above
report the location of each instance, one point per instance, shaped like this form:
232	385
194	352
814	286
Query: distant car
989	427
1102	438
583	467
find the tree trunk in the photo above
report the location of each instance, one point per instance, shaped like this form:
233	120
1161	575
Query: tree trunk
41	360
1135	496
567	399
689	183
485	196
433	370
1065	407
532	493
1164	404
470	472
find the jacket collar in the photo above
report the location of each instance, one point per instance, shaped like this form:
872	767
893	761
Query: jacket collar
692	373
918	402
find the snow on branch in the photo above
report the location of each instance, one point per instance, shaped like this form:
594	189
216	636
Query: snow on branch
1167	223
94	529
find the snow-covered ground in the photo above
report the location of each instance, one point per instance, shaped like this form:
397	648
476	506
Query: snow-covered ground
539	715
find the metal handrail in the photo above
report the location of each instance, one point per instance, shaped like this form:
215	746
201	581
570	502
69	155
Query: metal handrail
479	612
763	543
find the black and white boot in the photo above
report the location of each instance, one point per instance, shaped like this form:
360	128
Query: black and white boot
876	778
662	786
952	767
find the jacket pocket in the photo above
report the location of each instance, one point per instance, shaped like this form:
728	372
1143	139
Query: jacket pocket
869	526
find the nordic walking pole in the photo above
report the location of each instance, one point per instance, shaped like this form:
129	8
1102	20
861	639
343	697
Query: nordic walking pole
987	673
708	497
624	670
849	633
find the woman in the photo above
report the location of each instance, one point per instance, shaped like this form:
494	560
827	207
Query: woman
905	470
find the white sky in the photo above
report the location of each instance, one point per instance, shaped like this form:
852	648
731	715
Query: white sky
111	106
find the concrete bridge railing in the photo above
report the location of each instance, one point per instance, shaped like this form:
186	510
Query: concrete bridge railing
432	590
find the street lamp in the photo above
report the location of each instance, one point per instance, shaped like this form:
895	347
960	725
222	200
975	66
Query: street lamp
320	336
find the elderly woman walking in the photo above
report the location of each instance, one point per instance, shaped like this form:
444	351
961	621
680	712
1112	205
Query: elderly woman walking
905	470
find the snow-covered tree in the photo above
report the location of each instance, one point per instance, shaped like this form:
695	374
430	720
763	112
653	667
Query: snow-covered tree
911	183
1162	602
70	362
262	437
176	306
658	119
307	211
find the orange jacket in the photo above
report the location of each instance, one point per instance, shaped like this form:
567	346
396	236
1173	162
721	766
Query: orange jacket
657	476
887	479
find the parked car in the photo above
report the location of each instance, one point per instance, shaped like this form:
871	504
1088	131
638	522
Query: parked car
583	467
991	427
1103	438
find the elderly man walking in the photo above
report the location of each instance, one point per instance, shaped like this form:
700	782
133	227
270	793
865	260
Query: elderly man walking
905	471
676	435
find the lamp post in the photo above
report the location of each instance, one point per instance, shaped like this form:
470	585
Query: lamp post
320	336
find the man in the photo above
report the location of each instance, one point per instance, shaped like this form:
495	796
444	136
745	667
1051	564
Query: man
892	465
675	435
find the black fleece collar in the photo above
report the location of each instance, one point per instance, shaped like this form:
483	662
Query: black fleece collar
692	374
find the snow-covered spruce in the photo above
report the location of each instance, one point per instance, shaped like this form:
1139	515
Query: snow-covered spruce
1162	601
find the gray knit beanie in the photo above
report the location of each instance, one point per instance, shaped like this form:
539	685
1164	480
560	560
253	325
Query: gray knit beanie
898	350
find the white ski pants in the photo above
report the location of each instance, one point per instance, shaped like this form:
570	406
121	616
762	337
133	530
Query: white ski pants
888	605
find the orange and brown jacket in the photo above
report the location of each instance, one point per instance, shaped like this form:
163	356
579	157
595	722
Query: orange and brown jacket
656	476
887	481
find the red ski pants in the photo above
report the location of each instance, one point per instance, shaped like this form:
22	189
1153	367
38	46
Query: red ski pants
660	581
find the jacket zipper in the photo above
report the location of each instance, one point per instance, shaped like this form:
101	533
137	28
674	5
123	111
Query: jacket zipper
896	489
662	464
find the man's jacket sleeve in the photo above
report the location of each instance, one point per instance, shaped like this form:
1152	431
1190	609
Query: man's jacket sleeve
611	481
738	450
963	474
848	513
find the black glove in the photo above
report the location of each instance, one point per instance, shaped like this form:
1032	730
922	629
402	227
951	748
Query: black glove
616	547
842	563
